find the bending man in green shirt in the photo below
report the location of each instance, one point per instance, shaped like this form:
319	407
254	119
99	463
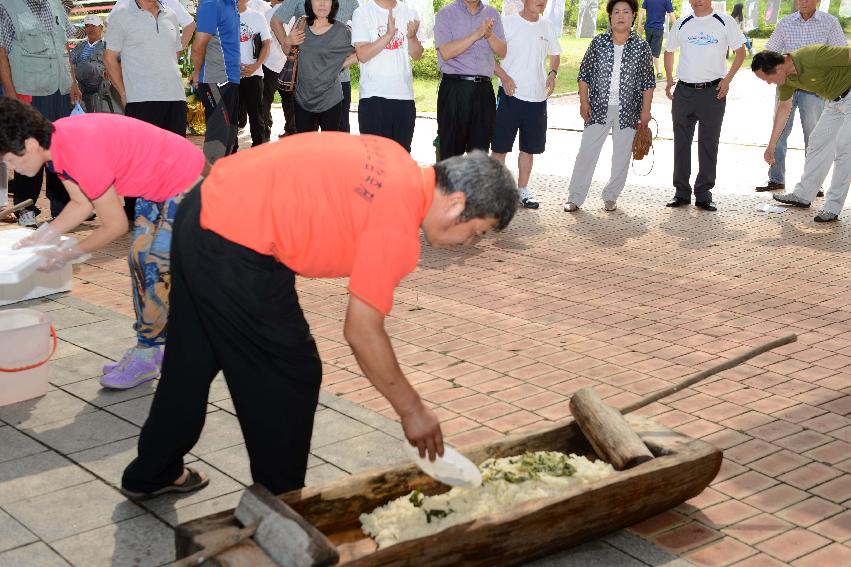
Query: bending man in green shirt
825	71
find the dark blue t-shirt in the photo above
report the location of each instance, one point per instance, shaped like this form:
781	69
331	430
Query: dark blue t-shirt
656	11
220	19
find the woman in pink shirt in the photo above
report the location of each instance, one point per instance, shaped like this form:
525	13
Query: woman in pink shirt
100	159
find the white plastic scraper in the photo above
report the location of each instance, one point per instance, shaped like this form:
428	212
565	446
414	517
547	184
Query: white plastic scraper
452	468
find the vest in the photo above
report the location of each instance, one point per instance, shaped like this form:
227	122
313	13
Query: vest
39	61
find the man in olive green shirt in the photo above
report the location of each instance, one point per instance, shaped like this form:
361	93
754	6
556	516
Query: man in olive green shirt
825	71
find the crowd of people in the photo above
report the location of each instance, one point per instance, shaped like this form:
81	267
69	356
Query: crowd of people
353	205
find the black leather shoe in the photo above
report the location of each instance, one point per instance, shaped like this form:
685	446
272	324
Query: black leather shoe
771	186
676	202
706	205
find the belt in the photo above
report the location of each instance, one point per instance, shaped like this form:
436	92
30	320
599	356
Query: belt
843	95
473	78
700	85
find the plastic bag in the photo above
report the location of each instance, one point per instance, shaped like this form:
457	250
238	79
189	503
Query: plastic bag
77	110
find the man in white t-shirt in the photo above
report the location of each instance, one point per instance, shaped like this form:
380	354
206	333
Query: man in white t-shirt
386	36
273	64
184	18
524	87
701	95
254	45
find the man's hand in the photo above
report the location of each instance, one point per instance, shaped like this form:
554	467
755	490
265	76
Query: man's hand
413	28
422	429
668	86
585	110
391	26
248	70
509	86
722	88
768	156
551	83
193	79
76	95
644	120
485	30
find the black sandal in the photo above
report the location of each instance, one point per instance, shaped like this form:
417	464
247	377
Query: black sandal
194	481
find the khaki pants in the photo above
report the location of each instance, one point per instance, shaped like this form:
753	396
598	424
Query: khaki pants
830	144
589	152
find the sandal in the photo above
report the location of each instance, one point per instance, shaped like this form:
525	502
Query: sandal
194	481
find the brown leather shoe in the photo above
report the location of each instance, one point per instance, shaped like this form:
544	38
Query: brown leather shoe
771	186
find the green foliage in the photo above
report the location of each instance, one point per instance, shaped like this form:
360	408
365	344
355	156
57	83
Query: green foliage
426	68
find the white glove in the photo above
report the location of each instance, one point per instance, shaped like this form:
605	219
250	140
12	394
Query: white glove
57	257
43	235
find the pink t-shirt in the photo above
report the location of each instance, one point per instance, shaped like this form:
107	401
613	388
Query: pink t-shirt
99	150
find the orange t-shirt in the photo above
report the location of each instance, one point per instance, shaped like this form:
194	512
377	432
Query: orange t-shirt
326	205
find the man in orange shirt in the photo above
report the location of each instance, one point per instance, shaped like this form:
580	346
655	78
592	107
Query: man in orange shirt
349	206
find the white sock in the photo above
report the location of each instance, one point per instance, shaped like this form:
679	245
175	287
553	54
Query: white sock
525	193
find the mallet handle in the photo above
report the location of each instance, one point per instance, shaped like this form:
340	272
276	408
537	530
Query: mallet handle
703	374
15	208
200	557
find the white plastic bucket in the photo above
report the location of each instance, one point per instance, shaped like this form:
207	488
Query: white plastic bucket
27	341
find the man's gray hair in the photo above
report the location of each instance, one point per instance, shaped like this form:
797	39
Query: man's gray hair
489	187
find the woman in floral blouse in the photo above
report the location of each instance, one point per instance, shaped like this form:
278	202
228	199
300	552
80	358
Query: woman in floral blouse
615	91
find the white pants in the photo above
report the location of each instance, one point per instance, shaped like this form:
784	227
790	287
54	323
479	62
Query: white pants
830	143
589	152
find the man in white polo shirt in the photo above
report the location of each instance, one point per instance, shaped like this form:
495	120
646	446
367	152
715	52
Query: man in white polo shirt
386	35
184	18
700	97
146	35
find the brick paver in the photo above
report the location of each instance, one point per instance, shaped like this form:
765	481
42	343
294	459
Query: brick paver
498	337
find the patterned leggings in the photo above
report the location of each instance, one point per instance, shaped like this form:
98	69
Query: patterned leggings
150	267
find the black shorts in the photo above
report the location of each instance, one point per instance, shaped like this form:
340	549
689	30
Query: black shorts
513	114
654	38
389	118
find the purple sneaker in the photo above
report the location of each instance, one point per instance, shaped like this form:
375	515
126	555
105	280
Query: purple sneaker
132	374
158	360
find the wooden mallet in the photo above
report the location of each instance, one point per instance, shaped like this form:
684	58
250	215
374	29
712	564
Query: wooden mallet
286	537
610	435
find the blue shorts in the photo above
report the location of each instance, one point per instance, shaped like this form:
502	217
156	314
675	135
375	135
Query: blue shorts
513	114
654	38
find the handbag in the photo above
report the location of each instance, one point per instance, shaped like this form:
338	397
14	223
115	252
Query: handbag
289	74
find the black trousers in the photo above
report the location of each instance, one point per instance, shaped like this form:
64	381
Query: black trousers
221	106
53	107
169	115
288	106
270	87
466	114
327	121
251	108
389	118
692	107
234	310
347	105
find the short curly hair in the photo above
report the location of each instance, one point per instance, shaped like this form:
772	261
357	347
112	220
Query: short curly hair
19	121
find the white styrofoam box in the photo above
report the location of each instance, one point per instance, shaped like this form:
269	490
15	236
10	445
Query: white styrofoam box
19	276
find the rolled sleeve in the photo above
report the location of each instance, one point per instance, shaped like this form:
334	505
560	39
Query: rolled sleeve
7	31
115	35
442	31
586	67
775	41
837	36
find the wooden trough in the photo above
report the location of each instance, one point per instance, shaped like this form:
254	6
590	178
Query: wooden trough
681	469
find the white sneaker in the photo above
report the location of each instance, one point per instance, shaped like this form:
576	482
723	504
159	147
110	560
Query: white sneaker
27	218
570	207
610	205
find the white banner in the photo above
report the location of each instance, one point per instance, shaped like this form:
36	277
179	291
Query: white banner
772	11
751	15
845	9
586	24
824	6
425	10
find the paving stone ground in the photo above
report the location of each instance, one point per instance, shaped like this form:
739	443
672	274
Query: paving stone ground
497	338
